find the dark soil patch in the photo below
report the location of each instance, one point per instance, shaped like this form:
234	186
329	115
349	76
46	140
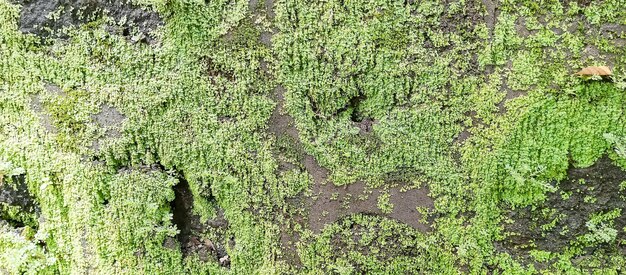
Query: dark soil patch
252	5
467	19
466	133
34	17
269	8
281	124
15	192
215	71
192	229
289	236
366	126
266	38
289	248
462	137
520	27
388	250
282	127
613	30
595	189
593	54
510	95
336	202
491	15
44	118
288	151
262	12
52	88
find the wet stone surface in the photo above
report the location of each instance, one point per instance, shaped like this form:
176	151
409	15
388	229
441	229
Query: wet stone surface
36	17
109	119
14	192
585	192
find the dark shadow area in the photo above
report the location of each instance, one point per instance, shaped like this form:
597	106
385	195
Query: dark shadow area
192	231
181	210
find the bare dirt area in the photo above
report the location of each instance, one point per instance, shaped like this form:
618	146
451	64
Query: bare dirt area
281	124
36	17
330	203
110	119
564	216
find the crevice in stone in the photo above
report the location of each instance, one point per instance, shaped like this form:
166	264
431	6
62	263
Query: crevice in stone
192	235
181	210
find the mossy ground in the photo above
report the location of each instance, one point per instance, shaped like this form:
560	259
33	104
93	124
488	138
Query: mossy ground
264	137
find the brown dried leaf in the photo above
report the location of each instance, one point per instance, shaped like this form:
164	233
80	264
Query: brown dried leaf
595	70
209	243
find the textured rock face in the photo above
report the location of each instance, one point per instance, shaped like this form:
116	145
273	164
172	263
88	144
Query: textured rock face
14	195
17	194
46	18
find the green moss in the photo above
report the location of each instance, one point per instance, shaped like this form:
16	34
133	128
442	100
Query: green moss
21	256
376	89
383	203
15	214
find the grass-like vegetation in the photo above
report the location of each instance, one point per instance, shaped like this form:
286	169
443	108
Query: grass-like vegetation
380	92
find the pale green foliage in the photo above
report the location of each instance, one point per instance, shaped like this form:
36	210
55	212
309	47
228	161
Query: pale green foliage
198	104
21	256
600	228
383	203
618	142
115	219
600	233
294	183
370	63
7	170
540	256
486	98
